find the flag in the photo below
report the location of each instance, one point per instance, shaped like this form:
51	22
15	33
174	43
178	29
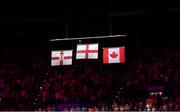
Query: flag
114	55
61	57
87	51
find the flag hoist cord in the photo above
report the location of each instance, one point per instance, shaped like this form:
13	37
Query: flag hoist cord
82	38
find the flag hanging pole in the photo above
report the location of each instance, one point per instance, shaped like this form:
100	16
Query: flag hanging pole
66	17
82	38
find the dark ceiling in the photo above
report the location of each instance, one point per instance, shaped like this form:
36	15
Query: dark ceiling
39	20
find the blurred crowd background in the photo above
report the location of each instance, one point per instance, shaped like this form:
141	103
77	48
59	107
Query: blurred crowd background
150	82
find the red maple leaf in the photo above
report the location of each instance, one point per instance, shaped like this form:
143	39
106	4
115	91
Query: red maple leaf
114	55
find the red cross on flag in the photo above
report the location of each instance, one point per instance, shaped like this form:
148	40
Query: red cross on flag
87	51
62	57
114	55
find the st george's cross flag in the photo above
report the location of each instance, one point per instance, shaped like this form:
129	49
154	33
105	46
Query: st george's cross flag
87	51
61	57
114	55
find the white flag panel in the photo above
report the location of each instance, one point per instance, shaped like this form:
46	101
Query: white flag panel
61	57
87	51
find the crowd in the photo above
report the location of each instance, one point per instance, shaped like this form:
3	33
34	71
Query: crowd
19	74
86	84
153	68
27	83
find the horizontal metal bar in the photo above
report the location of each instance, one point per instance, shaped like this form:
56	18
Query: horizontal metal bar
81	38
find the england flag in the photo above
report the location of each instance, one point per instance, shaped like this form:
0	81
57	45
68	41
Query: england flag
87	51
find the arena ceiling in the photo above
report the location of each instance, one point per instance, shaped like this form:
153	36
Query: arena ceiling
39	20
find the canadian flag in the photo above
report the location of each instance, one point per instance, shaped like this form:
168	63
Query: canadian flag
62	57
87	51
114	55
